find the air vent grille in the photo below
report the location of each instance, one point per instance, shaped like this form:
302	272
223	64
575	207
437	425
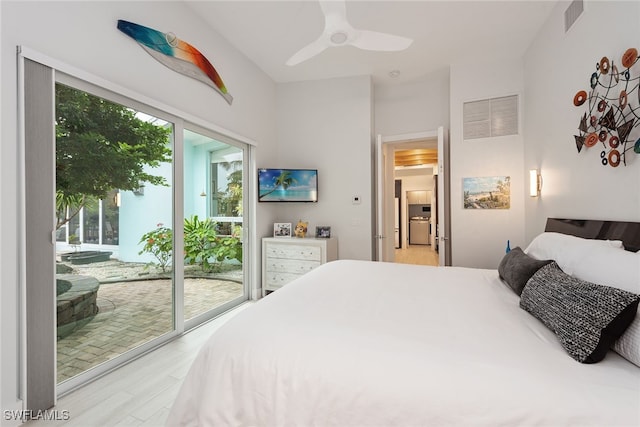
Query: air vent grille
490	117
572	13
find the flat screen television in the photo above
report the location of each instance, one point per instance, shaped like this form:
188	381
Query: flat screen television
287	185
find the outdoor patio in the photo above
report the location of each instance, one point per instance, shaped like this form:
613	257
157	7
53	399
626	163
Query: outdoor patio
134	307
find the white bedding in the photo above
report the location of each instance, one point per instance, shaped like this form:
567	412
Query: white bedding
356	343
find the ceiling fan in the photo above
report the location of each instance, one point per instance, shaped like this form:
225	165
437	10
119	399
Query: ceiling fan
338	32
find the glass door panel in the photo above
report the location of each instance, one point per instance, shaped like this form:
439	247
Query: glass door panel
113	271
213	224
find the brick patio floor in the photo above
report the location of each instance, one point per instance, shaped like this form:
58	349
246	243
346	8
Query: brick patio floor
130	314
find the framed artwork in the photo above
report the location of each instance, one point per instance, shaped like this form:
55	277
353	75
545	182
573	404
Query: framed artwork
323	231
488	192
282	229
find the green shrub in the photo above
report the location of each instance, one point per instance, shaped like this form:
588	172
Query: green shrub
202	244
159	243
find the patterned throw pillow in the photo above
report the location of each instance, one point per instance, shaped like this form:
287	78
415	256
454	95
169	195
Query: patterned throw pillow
517	267
587	318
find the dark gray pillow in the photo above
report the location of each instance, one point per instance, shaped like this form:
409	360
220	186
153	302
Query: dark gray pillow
517	267
587	318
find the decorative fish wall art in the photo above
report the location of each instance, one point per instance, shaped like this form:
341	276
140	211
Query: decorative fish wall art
612	116
176	54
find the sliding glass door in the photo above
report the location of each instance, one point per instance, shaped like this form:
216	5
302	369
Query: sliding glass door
141	236
214	175
114	216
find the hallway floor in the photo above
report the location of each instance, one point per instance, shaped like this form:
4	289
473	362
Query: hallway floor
417	254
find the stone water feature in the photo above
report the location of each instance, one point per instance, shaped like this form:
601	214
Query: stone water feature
76	297
85	257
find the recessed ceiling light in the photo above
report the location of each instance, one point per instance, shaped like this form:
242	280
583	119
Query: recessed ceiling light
394	74
339	37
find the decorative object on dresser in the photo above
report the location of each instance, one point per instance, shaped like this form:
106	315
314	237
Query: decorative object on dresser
281	229
301	229
284	260
323	231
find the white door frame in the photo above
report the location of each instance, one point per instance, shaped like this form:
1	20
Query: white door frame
384	248
444	212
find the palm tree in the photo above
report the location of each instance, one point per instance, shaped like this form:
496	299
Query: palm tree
283	180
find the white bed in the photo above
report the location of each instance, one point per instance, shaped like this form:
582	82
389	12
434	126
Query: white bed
356	343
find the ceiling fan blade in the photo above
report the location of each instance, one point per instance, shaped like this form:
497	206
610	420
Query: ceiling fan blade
373	40
337	9
307	52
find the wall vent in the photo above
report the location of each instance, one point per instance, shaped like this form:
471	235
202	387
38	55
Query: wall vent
572	13
490	117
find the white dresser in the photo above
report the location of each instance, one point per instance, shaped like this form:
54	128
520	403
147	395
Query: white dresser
285	259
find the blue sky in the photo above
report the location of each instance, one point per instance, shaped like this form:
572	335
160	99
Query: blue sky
305	178
481	184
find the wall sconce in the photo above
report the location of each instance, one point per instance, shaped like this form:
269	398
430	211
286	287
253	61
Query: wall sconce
117	200
535	183
203	194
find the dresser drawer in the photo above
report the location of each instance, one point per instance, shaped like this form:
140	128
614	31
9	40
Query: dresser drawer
290	265
292	251
275	280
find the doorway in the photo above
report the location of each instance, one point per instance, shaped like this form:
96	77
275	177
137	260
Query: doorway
410	208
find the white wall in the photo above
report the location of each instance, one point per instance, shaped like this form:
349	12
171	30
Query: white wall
326	125
557	66
415	106
479	237
84	35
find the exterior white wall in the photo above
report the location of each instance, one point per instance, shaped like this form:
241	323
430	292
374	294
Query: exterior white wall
141	214
556	67
194	179
326	125
84	35
479	237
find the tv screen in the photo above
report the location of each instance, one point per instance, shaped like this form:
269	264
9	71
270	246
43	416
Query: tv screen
287	185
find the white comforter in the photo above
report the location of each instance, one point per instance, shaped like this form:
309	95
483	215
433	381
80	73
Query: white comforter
357	343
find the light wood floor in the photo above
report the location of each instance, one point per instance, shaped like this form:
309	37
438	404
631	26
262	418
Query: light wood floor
140	393
417	254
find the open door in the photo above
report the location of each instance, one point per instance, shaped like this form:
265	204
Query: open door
380	198
385	191
443	189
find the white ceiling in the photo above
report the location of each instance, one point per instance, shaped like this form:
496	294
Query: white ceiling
448	31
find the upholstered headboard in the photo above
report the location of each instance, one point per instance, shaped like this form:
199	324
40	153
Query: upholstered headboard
628	232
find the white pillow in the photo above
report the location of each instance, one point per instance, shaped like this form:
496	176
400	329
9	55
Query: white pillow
620	269
609	266
628	345
566	250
